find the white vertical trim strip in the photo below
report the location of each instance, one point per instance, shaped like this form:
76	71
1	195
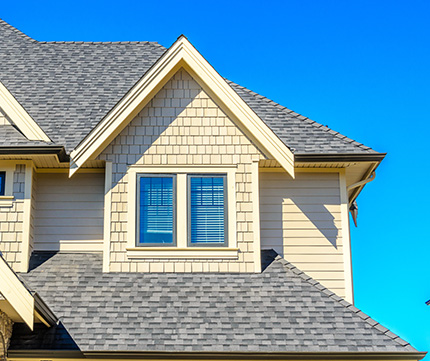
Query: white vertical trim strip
181	211
131	206
107	216
256	216
25	252
346	241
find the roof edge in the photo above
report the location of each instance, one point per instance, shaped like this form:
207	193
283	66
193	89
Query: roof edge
59	151
36	354
43	309
349	306
340	157
17	31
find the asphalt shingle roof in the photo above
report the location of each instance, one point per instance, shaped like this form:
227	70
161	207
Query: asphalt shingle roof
279	310
10	136
68	87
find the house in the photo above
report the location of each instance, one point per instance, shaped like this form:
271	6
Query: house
151	209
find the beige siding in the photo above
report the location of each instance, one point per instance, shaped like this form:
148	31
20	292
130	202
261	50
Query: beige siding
181	126
11	221
69	211
301	220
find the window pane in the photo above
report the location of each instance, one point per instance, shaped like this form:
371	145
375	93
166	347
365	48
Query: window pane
2	181
156	210
207	210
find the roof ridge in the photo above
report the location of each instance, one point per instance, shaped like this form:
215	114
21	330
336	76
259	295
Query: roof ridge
366	318
301	117
100	42
17	31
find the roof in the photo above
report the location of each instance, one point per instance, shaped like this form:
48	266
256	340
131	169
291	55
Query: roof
11	136
278	310
68	87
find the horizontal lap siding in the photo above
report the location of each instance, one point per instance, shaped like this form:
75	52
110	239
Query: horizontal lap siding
69	210
301	220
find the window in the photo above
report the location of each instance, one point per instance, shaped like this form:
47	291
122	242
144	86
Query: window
156	213
207	210
2	183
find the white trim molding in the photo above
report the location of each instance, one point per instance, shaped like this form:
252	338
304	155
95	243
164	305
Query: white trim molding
188	253
14	291
15	111
107	216
182	55
256	216
346	239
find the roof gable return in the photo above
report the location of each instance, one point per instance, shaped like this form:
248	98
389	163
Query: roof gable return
181	55
19	303
20	117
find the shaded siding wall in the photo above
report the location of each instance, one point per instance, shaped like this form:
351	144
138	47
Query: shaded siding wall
301	220
181	126
12	221
69	212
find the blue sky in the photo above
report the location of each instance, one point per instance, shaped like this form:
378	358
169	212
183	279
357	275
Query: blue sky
360	67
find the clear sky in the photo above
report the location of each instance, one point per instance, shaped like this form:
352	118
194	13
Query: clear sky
360	67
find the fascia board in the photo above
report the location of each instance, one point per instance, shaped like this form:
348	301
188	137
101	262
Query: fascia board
20	117
16	294
180	54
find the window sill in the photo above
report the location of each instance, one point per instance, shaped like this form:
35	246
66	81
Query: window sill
6	201
190	253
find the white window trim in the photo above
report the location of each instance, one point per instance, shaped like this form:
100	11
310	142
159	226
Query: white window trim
7	199
181	250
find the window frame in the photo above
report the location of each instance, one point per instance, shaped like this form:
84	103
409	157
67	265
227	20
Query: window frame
174	206
3	183
225	196
181	251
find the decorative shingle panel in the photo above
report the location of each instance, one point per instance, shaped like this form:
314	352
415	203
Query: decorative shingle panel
182	126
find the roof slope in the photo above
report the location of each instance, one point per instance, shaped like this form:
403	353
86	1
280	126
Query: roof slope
68	87
10	136
279	310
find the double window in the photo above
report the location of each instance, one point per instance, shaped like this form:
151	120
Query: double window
205	208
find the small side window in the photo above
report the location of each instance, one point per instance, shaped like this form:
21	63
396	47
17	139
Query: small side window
156	210
2	183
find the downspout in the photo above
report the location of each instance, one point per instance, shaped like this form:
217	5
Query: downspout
353	208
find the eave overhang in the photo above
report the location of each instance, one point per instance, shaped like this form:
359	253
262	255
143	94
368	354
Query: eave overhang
137	355
59	151
341	157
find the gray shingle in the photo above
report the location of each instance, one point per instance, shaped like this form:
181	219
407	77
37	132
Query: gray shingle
10	136
275	311
68	87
